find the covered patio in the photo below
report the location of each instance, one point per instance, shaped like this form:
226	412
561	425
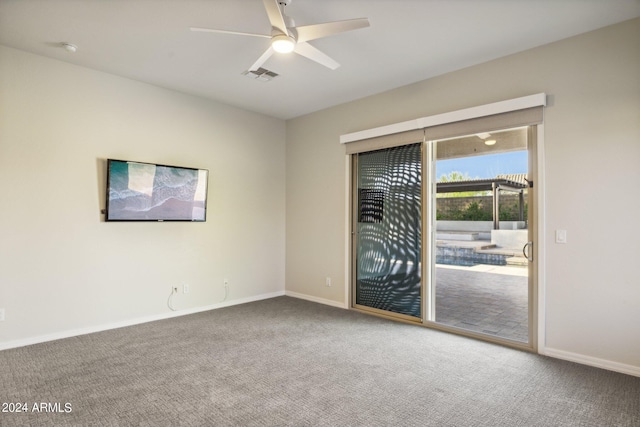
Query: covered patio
516	183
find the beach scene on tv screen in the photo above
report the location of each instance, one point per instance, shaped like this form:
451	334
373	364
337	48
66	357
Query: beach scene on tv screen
141	191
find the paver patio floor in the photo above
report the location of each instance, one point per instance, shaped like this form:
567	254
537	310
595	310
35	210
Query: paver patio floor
493	301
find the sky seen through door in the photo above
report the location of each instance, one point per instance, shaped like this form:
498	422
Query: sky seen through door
485	166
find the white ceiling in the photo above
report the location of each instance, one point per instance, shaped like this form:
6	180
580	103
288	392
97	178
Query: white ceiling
408	41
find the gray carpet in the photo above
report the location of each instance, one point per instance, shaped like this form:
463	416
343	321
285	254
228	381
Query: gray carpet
288	362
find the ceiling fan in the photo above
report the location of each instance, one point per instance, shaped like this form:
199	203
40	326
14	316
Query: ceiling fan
286	37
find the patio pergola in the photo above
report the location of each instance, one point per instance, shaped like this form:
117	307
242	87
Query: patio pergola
511	183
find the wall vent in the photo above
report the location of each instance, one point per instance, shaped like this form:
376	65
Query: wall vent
261	74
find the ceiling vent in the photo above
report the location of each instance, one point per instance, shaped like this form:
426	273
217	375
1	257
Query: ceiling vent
261	74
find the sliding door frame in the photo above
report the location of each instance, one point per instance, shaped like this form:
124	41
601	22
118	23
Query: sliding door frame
537	336
533	142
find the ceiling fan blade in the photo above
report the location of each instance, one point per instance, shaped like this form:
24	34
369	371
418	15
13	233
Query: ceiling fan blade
275	16
308	51
316	31
209	30
263	58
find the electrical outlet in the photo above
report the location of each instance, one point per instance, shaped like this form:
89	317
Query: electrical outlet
185	289
1	314
327	281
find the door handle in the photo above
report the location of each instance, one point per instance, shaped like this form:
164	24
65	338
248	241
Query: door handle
526	251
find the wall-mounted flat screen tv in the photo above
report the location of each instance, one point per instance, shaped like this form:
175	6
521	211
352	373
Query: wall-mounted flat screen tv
150	192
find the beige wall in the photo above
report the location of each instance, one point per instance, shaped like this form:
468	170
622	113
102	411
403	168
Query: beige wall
591	159
62	268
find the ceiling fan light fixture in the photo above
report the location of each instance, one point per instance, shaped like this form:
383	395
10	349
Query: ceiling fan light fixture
283	43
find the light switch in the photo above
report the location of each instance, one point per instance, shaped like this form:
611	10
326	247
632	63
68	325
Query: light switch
561	236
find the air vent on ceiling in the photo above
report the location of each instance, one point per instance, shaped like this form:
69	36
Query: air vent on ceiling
261	74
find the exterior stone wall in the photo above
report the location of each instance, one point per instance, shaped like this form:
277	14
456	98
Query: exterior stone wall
445	206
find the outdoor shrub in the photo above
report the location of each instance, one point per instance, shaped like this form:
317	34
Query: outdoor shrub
477	211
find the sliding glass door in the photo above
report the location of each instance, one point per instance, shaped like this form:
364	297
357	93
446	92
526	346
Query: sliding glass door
457	252
388	231
483	235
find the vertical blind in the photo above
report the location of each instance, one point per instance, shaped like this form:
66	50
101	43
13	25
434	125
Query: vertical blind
389	230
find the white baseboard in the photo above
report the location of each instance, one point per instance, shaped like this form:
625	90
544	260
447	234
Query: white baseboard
315	299
593	361
139	320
